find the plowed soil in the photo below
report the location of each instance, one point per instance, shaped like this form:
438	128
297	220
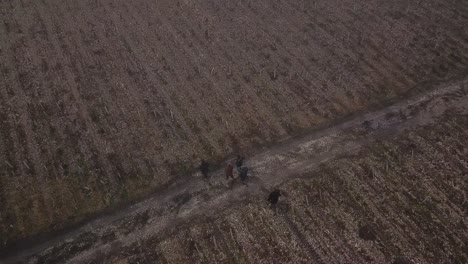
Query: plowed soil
103	102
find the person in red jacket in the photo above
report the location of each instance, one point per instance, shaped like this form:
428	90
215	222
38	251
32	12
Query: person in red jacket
229	171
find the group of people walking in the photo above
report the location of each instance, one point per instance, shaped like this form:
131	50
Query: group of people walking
242	171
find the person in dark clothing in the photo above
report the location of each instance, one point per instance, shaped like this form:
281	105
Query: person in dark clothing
243	174
229	168
204	168
273	198
239	162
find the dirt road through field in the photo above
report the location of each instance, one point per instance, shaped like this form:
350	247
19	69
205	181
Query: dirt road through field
194	198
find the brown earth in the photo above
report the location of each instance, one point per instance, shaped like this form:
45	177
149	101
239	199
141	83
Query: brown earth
386	186
102	102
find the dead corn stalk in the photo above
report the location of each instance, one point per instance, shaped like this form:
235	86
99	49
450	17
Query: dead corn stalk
214	242
9	164
232	235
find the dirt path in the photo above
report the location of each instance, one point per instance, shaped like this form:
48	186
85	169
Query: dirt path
193	198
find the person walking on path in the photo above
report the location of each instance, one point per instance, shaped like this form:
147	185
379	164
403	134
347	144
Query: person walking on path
243	174
229	170
204	168
273	198
239	162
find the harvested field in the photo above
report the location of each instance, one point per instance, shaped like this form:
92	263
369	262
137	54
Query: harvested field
386	187
102	102
400	201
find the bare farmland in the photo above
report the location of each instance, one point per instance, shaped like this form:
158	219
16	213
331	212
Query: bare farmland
105	101
388	186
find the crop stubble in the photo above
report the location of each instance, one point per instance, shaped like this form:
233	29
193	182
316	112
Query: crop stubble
103	101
